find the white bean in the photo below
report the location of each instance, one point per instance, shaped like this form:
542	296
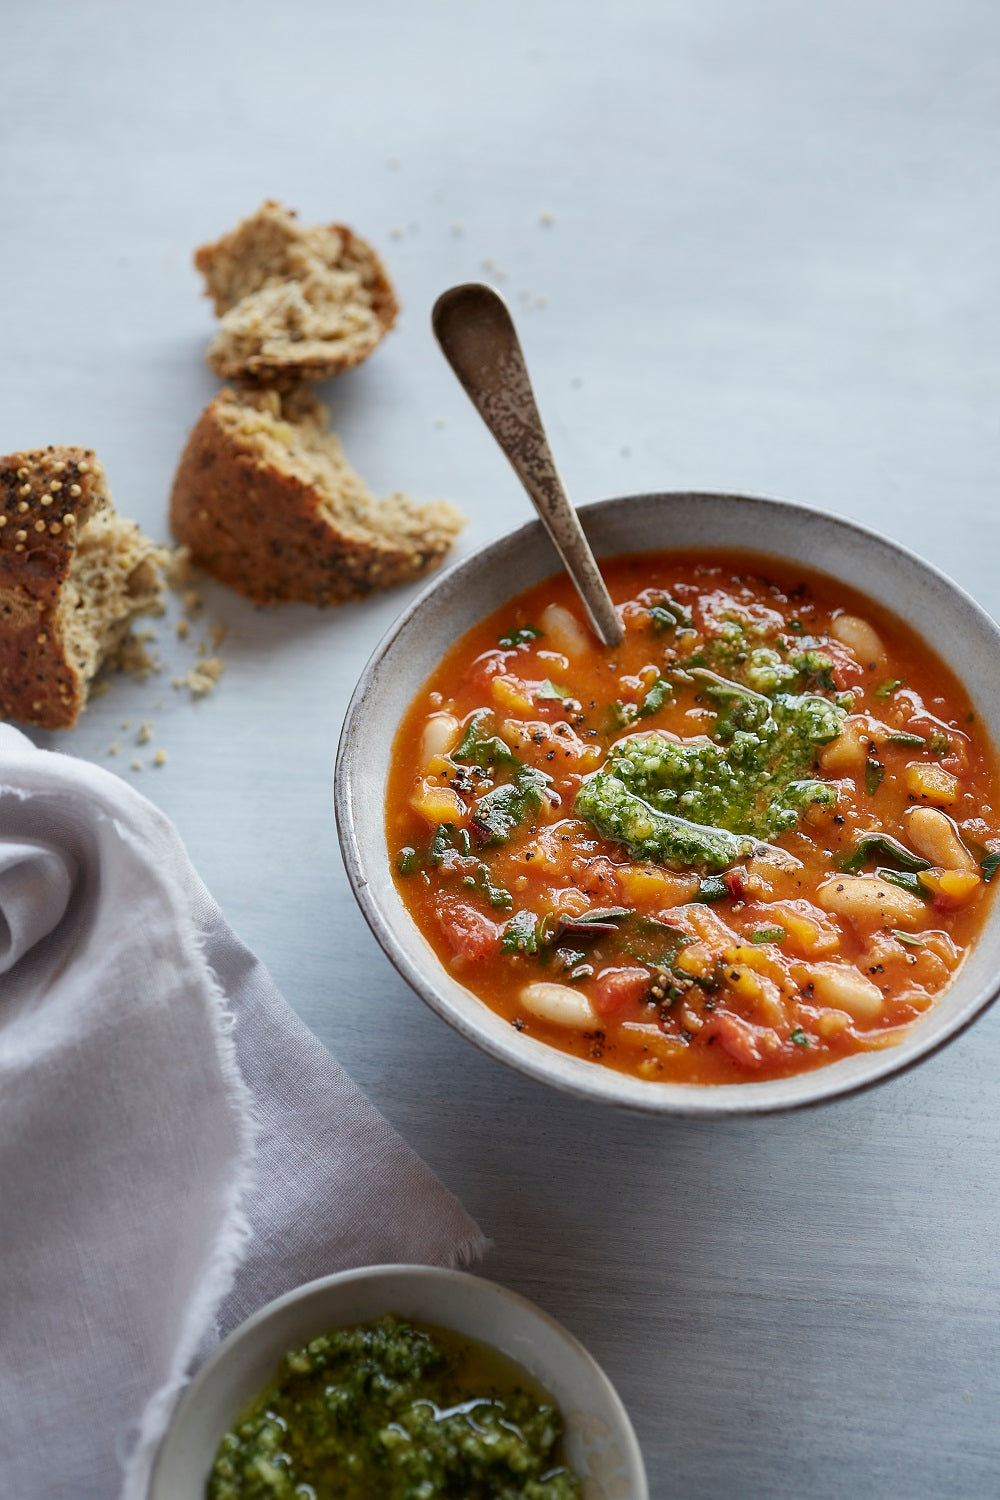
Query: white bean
564	631
440	734
871	902
934	836
558	1004
845	988
860	637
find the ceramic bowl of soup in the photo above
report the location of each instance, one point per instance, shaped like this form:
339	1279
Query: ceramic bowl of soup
375	1380
740	863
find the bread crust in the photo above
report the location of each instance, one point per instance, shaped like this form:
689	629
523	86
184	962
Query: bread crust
46	497
271	276
272	531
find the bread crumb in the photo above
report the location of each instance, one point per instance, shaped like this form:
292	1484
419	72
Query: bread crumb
192	601
179	568
203	677
145	733
396	233
160	758
217	635
114	748
132	657
137	764
439	422
546	219
183	629
458	230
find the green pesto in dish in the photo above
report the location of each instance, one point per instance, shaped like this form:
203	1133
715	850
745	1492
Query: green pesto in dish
708	803
397	1411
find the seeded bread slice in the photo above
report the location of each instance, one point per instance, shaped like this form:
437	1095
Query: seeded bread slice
73	576
267	502
295	302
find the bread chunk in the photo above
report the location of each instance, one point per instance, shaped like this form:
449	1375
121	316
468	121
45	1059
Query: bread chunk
267	502
73	576
295	302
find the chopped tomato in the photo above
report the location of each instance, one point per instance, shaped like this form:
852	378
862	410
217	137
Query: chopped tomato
746	1044
489	664
598	876
469	933
614	989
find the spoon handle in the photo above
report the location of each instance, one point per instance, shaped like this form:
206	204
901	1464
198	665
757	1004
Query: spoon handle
473	325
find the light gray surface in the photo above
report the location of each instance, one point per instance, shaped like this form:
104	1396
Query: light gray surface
771	268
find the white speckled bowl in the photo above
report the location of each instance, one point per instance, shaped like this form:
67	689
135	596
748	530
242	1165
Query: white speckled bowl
961	632
599	1442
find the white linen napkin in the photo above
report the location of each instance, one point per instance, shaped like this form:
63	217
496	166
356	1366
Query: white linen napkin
175	1147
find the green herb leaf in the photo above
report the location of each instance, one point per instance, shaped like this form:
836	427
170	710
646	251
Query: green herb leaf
907	939
938	743
443	840
906	881
874	774
482	748
570	957
816	669
520	934
881	846
548	689
990	865
768	935
888	687
500	811
712	888
520	636
406	861
661	618
654	700
497	895
905	739
668	614
796	626
799	1037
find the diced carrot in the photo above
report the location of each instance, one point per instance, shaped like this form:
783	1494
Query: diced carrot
438	804
931	783
950	888
512	695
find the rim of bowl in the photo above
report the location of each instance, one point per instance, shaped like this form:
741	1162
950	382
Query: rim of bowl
487	1290
607	1085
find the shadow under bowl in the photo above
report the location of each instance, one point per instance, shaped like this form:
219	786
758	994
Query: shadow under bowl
930	603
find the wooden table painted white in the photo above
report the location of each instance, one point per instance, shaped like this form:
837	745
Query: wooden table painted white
751	247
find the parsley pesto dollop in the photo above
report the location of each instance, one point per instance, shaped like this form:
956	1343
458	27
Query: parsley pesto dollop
397	1411
707	803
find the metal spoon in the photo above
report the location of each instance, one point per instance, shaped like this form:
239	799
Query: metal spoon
473	325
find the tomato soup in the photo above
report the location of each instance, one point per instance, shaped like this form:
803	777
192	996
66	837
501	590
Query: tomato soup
755	837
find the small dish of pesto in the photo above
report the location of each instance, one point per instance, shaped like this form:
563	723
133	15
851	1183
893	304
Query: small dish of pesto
398	1410
401	1383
